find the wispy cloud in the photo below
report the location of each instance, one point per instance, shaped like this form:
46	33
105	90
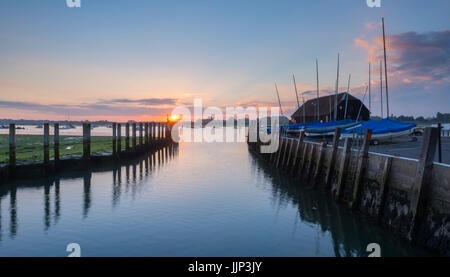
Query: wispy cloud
413	57
144	102
148	107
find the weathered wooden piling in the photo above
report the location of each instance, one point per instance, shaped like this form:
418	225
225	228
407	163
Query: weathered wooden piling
317	171
12	148
114	139
280	152
127	136
119	138
133	127
46	145
439	143
56	143
297	152
303	158
310	161
141	133
334	147
146	133
159	130
152	131
86	140
362	164
383	178
423	177
345	157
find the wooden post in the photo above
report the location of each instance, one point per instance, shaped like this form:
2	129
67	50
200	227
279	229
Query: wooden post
323	148
165	130
114	139
303	158
288	154
141	133
153	131
310	160
46	145
127	136
133	134
285	151
12	148
257	132
334	147
169	131
86	140
146	133
423	177
290	159
361	167
119	138
346	152
159	130
297	152
281	152
273	155
56	143
439	143
383	177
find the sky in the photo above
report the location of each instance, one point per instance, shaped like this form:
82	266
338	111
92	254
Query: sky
137	60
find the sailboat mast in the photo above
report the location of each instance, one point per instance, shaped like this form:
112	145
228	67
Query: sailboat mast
296	92
346	97
318	106
304	109
385	70
336	93
370	102
381	87
362	103
279	102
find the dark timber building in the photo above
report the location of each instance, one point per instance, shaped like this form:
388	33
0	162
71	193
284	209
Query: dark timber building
308	111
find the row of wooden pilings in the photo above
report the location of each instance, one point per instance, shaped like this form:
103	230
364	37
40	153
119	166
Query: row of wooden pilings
144	135
305	160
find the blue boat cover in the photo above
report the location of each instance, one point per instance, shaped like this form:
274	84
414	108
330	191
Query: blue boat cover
316	125
381	127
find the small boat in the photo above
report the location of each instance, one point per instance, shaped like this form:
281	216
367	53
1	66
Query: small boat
39	127
320	129
4	127
20	128
328	128
384	129
68	126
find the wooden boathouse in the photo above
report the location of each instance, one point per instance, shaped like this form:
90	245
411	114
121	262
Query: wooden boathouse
325	106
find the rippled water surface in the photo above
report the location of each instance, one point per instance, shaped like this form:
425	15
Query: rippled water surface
193	200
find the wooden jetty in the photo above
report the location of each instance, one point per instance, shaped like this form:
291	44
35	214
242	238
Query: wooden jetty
411	197
156	135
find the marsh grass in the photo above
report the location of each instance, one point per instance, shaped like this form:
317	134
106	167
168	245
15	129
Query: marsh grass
30	148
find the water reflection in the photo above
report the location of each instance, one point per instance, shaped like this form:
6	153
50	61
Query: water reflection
146	167
350	232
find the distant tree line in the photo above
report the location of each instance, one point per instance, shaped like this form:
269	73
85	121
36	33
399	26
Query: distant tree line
439	118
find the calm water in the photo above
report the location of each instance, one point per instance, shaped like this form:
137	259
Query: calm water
196	200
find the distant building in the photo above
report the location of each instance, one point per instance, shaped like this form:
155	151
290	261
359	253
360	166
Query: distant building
326	109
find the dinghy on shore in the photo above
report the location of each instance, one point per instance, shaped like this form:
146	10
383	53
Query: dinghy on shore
319	129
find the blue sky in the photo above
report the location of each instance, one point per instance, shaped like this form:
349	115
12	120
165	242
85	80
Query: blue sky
60	61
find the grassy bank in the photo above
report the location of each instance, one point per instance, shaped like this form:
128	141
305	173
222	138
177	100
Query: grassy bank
29	148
